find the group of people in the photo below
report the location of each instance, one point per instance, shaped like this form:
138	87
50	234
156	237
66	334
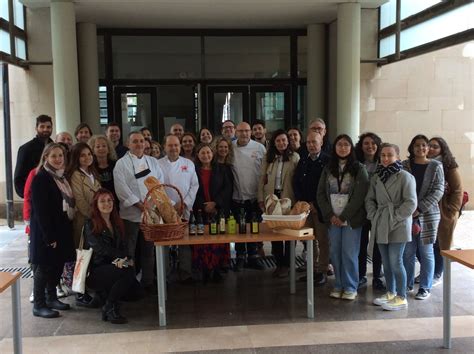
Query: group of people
93	192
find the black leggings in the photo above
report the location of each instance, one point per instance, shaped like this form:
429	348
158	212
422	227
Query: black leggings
116	282
46	277
376	257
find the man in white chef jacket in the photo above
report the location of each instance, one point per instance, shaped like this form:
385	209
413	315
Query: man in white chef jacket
130	173
181	173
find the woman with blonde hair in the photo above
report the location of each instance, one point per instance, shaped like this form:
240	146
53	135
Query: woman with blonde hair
52	244
104	162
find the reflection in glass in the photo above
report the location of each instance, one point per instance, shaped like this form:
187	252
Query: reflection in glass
302	56
104	117
227	105
270	107
247	57
136	111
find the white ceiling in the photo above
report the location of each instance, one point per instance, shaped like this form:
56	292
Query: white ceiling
205	13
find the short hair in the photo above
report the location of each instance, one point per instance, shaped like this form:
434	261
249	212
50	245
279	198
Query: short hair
82	126
112	124
259	121
170	135
134	132
227	120
43	118
317	120
112	155
390	145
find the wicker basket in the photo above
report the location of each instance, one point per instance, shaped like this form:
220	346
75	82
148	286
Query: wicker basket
162	232
294	222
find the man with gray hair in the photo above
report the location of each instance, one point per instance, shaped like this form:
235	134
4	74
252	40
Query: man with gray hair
319	126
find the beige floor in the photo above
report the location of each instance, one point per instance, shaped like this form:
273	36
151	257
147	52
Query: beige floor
214	338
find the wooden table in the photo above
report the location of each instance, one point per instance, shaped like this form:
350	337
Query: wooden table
7	280
266	234
466	258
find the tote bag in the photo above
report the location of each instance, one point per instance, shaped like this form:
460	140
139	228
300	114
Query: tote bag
83	257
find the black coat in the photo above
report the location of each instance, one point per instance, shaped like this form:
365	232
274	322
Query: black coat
306	178
107	247
221	188
29	156
49	223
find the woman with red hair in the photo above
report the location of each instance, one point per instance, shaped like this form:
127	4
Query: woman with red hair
112	274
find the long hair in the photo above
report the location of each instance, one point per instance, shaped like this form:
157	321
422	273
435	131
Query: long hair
111	155
74	165
447	158
195	143
47	150
411	147
351	164
358	147
200	131
229	159
81	126
98	222
272	150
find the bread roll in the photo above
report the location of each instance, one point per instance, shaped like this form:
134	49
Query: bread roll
300	208
285	204
162	201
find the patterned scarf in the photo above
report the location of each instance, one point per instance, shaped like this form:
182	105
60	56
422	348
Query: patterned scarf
385	172
69	202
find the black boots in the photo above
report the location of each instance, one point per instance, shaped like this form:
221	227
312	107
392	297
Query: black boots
57	305
111	312
45	312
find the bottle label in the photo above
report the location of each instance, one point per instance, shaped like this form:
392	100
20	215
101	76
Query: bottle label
222	226
192	229
213	227
200	229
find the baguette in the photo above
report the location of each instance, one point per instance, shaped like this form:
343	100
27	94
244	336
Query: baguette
162	201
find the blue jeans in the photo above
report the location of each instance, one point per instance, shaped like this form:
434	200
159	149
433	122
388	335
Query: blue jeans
395	274
344	249
426	263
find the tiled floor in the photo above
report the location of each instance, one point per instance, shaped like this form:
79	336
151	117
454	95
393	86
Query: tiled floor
249	311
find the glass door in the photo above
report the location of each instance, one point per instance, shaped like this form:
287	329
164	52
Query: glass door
226	102
135	108
272	105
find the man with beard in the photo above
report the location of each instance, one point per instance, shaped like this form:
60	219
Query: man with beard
259	132
29	154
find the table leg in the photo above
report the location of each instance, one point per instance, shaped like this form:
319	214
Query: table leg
292	268
447	303
16	315
309	278
160	275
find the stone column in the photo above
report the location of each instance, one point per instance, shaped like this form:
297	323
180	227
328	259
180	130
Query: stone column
348	69
65	73
89	74
316	77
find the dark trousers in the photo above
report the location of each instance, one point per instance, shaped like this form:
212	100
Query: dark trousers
281	251
439	267
45	278
376	257
250	208
117	283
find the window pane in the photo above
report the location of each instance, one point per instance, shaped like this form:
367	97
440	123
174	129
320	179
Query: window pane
101	57
4	10
156	57
20	48
387	46
5	42
104	117
247	57
270	107
18	13
301	119
458	20
410	7
388	13
302	56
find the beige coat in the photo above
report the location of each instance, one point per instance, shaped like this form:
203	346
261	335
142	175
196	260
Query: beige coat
83	191
266	185
449	207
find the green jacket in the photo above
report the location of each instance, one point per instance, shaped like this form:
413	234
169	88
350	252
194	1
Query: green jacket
354	212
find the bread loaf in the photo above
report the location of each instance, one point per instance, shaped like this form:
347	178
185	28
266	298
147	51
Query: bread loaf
161	201
300	208
271	202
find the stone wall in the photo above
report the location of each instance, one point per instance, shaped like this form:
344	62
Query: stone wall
430	94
